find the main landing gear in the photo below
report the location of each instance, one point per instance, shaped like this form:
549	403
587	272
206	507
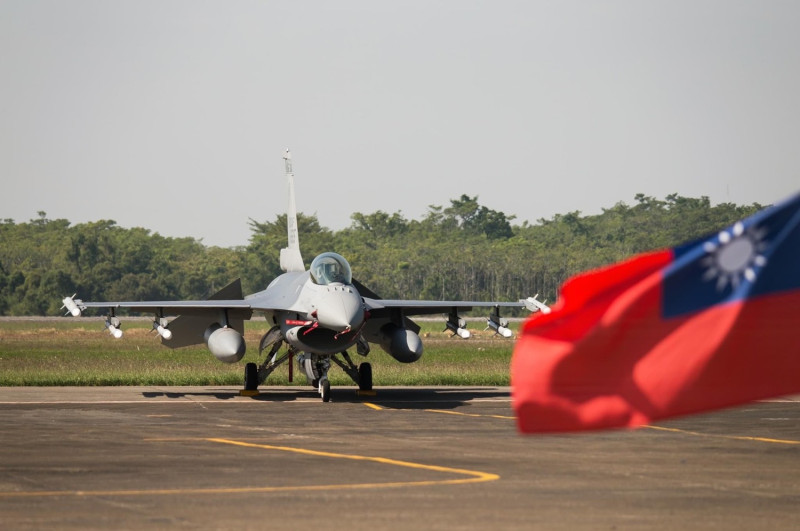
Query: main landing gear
255	375
315	366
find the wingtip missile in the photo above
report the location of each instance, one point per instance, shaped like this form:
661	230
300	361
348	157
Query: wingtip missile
72	305
533	305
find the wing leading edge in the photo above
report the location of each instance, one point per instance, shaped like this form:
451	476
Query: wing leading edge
228	298
411	307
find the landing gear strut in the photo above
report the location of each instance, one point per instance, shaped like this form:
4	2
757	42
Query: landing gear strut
255	375
315	366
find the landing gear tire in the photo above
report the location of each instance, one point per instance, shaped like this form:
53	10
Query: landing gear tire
365	377
325	390
250	377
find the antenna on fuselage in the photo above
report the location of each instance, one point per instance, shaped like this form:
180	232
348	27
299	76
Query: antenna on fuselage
291	259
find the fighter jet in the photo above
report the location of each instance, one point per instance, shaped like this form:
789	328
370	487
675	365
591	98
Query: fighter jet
318	313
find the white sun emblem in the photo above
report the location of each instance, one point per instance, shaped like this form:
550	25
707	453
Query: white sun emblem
735	256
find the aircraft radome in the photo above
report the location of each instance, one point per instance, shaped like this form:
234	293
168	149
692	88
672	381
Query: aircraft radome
319	314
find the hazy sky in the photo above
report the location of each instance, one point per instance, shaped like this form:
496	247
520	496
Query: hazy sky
173	115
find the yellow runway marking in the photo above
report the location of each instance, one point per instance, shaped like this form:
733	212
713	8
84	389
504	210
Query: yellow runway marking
468	414
717	436
446	412
473	476
476	477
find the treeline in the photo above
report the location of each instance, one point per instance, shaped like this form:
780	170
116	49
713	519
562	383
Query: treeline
462	252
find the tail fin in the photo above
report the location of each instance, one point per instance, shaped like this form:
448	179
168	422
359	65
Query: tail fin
291	259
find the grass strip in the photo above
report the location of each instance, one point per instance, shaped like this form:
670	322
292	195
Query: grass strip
78	352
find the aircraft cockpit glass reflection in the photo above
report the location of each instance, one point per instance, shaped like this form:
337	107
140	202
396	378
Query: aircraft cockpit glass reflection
328	268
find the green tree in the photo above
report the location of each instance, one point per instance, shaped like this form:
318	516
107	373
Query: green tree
463	252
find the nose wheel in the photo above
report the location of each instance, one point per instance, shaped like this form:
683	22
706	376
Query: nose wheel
316	368
325	389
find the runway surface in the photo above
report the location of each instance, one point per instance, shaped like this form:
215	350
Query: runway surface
406	458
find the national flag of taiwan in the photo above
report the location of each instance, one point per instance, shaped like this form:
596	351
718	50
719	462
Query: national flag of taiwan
709	324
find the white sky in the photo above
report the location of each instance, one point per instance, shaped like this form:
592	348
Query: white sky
173	115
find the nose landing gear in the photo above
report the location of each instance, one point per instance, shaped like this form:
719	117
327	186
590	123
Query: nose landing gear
315	366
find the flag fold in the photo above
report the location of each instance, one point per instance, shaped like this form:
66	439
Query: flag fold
710	324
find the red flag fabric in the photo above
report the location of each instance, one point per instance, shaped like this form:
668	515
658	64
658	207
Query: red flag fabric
710	324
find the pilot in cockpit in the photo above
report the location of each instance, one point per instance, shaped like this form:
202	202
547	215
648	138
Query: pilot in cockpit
328	268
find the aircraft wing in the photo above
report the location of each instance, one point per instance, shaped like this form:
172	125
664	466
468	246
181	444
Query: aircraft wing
411	307
228	298
397	311
376	305
171	307
194	316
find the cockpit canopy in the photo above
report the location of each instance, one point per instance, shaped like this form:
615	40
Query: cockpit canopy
331	267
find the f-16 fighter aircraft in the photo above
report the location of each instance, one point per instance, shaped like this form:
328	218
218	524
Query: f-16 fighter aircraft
317	313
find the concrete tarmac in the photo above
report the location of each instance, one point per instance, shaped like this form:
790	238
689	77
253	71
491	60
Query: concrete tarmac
406	458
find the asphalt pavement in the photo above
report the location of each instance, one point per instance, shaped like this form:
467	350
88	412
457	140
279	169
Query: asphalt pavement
406	458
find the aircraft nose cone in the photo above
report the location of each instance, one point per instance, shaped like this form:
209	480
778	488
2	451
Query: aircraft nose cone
340	309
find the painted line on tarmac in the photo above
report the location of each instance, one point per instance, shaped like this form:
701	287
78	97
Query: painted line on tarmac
657	428
446	412
473	476
720	436
177	400
468	414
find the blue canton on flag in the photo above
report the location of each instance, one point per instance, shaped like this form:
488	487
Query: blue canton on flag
757	256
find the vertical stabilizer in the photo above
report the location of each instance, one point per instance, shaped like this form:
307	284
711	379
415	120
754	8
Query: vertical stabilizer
291	259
